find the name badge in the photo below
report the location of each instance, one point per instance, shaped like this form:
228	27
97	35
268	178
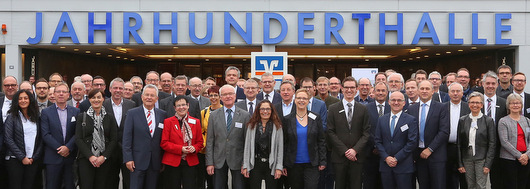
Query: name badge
161	125
404	128
192	121
341	111
312	116
73	119
239	125
528	110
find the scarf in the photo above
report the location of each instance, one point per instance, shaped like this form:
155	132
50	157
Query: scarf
473	130
98	136
185	128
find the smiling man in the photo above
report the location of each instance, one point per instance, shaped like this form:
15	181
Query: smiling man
268	83
251	90
195	87
232	74
180	85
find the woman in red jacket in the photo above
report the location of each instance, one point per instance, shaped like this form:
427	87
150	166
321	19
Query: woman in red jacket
181	140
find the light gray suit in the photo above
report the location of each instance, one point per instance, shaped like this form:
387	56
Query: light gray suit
203	101
224	149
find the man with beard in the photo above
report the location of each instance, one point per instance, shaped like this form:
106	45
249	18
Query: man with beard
41	88
505	88
77	90
462	76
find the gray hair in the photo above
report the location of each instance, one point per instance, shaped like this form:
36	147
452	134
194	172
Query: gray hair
290	83
226	86
249	81
476	94
77	78
72	86
490	74
137	77
151	86
152	72
383	83
456	83
511	98
232	68
398	74
266	74
118	79
181	77
432	86
435	72
369	82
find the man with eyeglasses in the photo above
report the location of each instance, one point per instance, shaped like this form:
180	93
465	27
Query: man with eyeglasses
10	87
251	90
268	83
462	77
87	79
58	129
225	141
153	78
55	78
137	83
456	109
195	87
348	133
116	107
365	87
77	90
97	83
128	90
395	83
505	88
334	88
180	85
436	79
42	89
519	82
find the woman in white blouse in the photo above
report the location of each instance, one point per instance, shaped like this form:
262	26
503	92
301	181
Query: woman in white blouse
23	141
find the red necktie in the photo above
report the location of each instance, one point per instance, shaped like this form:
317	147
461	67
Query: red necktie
149	121
77	104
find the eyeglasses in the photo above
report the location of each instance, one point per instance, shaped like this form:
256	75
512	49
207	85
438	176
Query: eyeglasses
99	84
196	86
228	94
265	109
462	76
267	82
180	105
152	80
41	88
435	79
251	88
518	80
137	83
10	85
475	103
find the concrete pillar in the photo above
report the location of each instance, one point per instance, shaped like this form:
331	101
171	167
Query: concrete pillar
13	64
268	48
522	63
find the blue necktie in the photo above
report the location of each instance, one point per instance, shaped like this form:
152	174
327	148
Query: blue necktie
392	125
228	119
422	122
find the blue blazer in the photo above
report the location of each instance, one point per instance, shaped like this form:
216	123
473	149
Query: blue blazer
319	107
276	99
138	145
400	145
52	134
437	127
373	112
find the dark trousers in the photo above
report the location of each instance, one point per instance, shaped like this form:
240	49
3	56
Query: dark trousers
144	179
202	175
126	176
22	176
327	176
94	177
114	180
220	178
58	175
261	172
431	175
303	176
496	173
396	180
183	175
348	175
514	175
371	176
454	178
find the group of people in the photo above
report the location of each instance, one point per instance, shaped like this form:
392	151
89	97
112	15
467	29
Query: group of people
178	132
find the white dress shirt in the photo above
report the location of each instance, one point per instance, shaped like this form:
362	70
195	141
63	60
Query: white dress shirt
30	135
398	115
152	127
271	96
345	104
253	104
117	108
5	108
455	116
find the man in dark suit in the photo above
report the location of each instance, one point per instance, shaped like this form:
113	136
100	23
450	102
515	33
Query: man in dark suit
251	90
376	109
58	130
323	92
225	141
431	154
268	83
348	133
10	88
232	75
179	88
436	79
519	82
456	108
116	107
287	106
142	133
494	107
153	78
396	138
41	91
195	87
411	89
